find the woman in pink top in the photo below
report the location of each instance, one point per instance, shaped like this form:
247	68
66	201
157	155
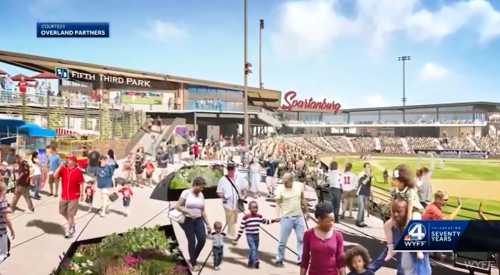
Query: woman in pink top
323	250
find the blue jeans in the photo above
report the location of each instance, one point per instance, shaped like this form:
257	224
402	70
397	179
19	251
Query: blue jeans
196	237
286	225
253	246
361	209
218	252
37	181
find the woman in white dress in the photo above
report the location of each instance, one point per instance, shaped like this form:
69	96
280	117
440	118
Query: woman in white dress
255	177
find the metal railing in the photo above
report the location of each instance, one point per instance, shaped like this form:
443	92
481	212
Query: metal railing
34	100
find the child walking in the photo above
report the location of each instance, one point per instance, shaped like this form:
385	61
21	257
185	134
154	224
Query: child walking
405	187
89	195
217	237
357	259
127	194
250	224
5	223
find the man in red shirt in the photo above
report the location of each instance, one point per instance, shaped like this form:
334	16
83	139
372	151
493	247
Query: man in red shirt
71	185
433	211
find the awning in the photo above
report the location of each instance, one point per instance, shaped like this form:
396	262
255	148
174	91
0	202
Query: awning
33	130
9	126
65	132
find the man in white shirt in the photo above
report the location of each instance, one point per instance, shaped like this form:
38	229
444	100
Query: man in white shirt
335	188
230	189
349	185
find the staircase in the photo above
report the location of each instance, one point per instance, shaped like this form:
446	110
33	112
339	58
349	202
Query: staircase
378	144
406	148
473	144
350	144
269	119
143	138
167	132
438	144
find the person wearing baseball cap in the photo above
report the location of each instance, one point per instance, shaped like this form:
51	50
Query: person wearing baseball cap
230	190
71	191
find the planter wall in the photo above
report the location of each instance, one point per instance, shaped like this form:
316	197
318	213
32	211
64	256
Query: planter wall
167	229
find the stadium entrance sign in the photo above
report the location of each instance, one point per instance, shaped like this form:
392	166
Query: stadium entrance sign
292	104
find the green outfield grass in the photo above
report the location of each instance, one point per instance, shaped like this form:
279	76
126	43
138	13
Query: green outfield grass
486	171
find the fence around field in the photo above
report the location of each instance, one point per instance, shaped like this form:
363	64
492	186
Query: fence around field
382	195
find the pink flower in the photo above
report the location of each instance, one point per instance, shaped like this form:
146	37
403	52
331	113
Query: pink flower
131	260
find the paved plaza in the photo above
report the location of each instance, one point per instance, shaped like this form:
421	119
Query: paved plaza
40	241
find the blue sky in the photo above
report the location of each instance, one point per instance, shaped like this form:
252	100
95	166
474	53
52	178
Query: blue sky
344	50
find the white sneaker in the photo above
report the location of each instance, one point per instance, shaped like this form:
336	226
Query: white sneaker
101	213
217	268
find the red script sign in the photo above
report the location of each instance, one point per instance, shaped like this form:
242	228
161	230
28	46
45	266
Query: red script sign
308	104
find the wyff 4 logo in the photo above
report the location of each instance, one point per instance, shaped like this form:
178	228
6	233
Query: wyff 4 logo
416	236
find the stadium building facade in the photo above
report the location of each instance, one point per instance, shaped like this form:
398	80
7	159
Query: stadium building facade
429	120
82	90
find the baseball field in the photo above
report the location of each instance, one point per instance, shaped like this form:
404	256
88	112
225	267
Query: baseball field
473	181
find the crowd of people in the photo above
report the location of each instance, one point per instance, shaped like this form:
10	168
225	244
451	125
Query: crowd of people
287	165
393	145
74	183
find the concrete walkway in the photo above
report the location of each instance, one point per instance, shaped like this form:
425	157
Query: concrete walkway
40	241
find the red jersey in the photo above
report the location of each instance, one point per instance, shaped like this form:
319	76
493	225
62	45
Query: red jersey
432	212
23	86
126	191
71	179
89	190
150	167
195	149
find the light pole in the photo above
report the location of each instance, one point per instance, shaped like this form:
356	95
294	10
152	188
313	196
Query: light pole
403	59
245	72
261	28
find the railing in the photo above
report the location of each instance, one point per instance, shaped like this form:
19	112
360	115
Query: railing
33	100
382	195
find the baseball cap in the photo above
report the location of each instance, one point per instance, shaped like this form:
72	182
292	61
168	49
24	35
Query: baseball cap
71	157
231	165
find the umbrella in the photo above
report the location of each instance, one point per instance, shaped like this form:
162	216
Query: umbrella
161	190
45	75
18	77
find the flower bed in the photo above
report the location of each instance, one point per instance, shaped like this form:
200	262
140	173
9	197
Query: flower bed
136	252
184	176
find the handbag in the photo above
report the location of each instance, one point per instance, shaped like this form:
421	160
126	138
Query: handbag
113	196
176	215
240	203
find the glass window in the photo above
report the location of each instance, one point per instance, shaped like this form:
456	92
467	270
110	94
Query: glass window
339	118
364	117
421	115
395	116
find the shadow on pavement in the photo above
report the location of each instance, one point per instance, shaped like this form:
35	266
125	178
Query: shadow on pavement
47	227
263	256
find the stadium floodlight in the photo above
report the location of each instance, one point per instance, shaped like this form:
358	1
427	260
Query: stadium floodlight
404	58
246	127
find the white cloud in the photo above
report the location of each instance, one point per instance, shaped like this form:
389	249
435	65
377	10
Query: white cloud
163	31
307	27
432	71
311	27
479	15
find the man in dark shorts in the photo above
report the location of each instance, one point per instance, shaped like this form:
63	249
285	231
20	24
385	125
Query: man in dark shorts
22	176
71	191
